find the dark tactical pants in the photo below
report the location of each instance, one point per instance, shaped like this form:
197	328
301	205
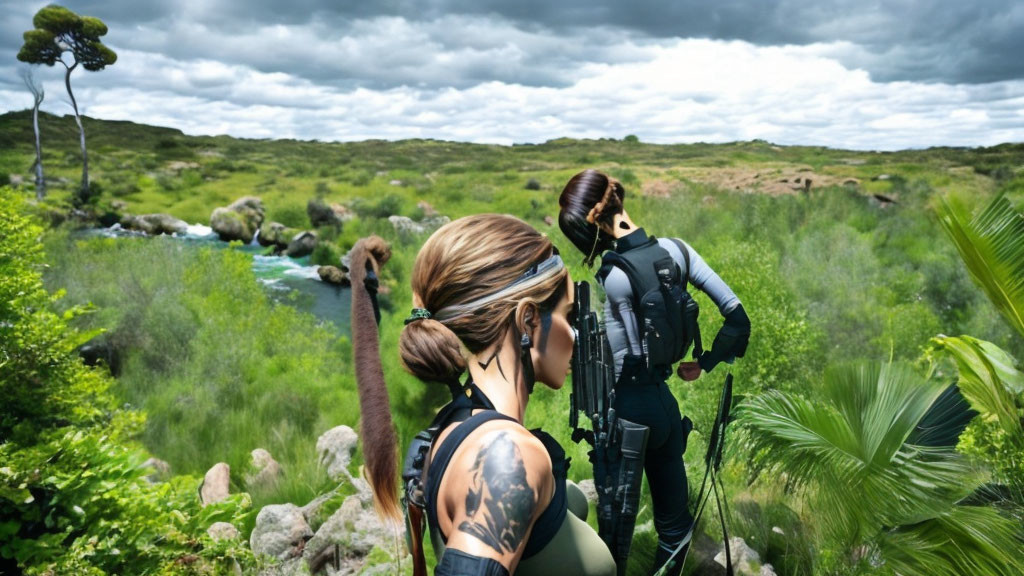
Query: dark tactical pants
646	400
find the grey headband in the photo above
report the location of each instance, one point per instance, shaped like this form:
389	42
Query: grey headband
536	274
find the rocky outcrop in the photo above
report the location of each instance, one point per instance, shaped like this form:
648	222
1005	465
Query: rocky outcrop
333	275
154	224
281	532
334	449
301	245
239	221
406	225
276	234
264	470
216	484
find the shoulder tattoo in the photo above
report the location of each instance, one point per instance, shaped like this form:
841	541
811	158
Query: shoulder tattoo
500	502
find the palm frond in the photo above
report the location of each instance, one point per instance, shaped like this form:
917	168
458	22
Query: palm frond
850	448
972	540
992	246
989	379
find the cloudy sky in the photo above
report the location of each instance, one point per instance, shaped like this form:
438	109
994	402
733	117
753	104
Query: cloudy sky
859	74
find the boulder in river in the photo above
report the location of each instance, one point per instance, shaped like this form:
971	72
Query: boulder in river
302	244
239	221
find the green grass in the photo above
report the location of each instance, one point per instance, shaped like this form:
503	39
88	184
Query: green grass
826	277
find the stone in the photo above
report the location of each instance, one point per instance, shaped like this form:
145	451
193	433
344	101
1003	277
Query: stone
342	212
333	275
238	221
216	484
265	471
427	209
549	220
406	225
745	560
154	224
434	222
532	184
354	527
395	182
334	449
275	234
302	244
161	471
320	214
223	531
281	532
589	490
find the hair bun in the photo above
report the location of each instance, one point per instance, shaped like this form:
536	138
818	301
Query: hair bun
431	352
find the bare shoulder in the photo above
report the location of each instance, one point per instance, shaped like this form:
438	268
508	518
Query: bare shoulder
502	482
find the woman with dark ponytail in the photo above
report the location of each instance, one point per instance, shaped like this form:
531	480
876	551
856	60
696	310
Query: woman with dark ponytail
491	303
593	217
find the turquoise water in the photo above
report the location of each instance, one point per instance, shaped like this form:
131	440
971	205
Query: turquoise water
290	281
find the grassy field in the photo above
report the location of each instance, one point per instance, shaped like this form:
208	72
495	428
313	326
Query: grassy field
852	267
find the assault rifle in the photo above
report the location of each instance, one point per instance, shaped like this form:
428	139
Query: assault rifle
618	445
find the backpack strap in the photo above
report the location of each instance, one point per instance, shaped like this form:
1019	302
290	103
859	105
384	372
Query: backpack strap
686	260
445	452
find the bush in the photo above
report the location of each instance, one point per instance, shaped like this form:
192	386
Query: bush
73	499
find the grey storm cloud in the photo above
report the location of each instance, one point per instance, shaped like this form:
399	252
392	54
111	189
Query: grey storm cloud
541	43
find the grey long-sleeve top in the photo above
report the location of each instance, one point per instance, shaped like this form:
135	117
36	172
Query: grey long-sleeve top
620	321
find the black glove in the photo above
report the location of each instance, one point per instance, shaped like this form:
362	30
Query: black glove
730	342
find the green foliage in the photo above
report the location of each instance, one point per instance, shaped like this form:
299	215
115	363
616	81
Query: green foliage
73	499
59	30
992	246
849	450
218	368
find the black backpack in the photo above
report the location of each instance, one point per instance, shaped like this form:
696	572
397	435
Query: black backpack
666	314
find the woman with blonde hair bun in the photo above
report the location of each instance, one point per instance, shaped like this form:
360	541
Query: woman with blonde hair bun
492	301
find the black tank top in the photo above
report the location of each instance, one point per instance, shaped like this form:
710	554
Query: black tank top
460	410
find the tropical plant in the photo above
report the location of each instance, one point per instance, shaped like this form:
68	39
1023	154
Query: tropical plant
992	246
59	30
872	489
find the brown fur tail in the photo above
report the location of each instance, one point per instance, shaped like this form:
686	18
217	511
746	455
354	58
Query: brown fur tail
380	442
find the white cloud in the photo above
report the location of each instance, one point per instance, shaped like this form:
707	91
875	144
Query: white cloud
669	91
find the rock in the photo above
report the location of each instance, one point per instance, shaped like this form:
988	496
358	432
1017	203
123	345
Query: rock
549	220
281	532
302	244
589	490
161	470
154	224
434	222
320	214
406	225
334	449
216	484
118	205
16	180
276	234
882	177
239	221
745	560
532	184
354	527
395	182
223	531
851	182
427	209
342	212
333	275
100	351
265	470
883	200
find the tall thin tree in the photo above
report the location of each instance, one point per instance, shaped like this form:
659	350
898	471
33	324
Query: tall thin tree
37	97
59	31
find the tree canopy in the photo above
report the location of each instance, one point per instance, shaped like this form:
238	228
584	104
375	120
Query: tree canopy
59	30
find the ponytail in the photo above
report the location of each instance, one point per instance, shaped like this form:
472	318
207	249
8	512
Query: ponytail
376	429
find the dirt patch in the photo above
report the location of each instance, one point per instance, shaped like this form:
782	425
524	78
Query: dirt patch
774	180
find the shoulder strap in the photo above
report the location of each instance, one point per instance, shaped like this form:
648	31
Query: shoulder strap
443	456
686	259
